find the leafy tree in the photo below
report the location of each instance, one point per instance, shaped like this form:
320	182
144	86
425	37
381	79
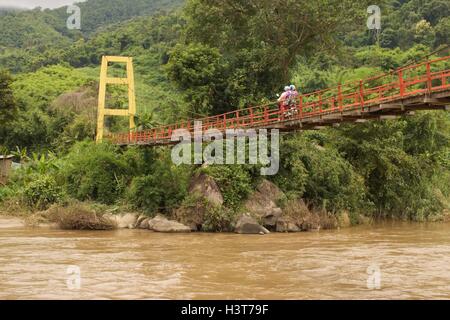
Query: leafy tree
8	106
260	41
443	32
389	38
435	10
424	33
200	71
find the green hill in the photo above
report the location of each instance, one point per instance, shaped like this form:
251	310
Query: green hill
32	39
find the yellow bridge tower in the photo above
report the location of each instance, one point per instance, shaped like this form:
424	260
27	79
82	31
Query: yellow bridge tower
104	81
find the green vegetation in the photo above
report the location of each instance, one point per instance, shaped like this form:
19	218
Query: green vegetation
41	193
235	182
319	174
206	58
160	187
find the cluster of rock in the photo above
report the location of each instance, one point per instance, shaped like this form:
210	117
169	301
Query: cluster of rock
262	212
157	224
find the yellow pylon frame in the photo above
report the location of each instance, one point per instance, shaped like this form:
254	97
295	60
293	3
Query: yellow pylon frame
104	81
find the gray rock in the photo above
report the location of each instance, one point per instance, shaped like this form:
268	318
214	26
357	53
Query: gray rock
248	225
271	218
207	187
161	224
262	203
285	224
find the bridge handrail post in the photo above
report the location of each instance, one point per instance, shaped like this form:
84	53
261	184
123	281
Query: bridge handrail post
361	94
401	83
301	107
429	84
266	114
340	97
320	102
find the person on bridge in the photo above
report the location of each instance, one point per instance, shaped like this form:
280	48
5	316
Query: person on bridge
293	96
283	99
291	102
283	102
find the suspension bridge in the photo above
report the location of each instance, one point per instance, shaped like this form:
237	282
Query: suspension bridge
421	86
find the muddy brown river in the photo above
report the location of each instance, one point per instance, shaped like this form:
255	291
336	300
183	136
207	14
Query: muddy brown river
387	261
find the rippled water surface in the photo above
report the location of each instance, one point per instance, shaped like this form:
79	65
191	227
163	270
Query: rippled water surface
406	261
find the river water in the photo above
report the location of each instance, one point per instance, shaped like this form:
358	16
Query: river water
388	261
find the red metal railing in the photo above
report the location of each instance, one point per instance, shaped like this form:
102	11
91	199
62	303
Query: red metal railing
418	79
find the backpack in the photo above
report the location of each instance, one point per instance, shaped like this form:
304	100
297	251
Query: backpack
291	99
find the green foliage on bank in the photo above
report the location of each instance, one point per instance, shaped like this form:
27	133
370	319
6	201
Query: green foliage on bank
211	57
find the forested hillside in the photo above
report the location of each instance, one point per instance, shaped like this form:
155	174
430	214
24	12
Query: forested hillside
35	38
207	57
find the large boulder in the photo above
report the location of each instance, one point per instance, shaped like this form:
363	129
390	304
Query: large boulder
263	203
298	212
249	225
205	186
162	224
286	224
270	219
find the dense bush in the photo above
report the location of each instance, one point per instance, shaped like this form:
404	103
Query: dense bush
5	193
218	219
158	185
42	192
319	175
95	172
402	162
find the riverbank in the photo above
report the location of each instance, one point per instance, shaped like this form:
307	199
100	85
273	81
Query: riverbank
264	210
78	217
